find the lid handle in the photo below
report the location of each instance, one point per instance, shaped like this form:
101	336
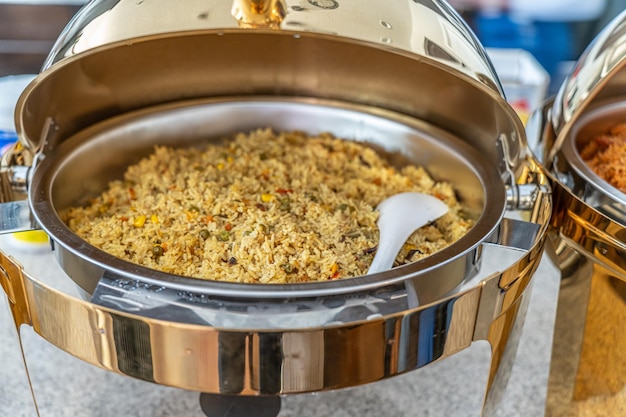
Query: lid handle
259	13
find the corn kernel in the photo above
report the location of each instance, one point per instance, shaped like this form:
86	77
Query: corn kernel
266	198
191	214
139	221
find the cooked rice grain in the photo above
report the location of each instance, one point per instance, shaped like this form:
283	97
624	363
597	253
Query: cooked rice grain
265	207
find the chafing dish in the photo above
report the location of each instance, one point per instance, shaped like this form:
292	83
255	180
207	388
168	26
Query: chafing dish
408	77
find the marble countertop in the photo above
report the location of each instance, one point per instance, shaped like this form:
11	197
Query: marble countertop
67	387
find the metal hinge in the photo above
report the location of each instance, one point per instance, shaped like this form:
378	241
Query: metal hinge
524	196
12	280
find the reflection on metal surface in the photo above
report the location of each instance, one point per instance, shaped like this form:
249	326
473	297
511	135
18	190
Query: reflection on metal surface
133	346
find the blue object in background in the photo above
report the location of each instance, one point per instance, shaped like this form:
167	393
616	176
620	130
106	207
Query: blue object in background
550	42
7	138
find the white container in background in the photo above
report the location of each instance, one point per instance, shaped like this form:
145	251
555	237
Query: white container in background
524	80
10	89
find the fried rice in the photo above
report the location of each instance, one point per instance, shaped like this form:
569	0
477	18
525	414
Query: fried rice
605	154
262	207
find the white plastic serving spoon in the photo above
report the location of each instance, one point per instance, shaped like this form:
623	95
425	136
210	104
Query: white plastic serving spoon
400	216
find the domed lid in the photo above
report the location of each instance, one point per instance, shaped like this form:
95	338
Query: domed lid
418	58
424	27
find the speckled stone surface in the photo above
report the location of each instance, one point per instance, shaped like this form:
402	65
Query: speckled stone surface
66	387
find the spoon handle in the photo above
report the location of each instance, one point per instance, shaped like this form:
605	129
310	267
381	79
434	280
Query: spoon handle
389	246
400	216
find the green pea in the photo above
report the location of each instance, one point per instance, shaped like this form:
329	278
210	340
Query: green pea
157	251
224	236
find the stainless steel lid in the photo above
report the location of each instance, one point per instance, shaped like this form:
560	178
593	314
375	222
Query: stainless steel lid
417	58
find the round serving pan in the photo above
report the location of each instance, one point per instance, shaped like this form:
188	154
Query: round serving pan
82	166
586	183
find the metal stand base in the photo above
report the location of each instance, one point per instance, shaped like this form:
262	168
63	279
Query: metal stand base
220	405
